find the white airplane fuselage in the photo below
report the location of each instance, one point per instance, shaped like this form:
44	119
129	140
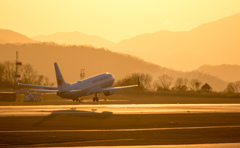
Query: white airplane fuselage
87	86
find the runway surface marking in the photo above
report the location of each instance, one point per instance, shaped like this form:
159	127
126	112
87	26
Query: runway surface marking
45	110
79	143
211	145
120	130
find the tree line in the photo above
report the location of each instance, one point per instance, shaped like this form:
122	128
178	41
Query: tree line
167	83
28	75
163	83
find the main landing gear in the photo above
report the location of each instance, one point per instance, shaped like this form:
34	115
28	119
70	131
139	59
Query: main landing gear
95	98
77	100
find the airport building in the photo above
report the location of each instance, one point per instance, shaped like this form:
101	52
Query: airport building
7	96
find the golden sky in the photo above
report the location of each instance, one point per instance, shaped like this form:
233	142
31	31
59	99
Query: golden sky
111	19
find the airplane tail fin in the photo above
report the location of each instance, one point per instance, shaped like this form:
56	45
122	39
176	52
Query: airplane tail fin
60	81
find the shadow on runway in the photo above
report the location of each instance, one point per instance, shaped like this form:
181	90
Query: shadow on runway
75	114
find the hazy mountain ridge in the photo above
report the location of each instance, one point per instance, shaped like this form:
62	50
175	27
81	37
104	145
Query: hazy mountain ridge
218	40
212	43
200	45
230	73
75	38
95	60
9	36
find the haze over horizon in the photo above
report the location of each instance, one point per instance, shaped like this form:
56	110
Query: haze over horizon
112	20
194	35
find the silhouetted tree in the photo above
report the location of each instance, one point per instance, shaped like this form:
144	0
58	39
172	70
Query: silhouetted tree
31	76
47	82
1	71
237	85
233	87
195	84
206	87
145	80
180	84
163	82
7	71
28	75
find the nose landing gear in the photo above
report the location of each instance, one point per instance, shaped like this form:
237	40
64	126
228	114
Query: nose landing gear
95	98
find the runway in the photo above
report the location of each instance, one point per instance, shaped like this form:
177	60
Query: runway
120	125
45	110
118	130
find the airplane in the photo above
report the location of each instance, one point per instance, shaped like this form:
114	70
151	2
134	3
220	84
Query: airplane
93	85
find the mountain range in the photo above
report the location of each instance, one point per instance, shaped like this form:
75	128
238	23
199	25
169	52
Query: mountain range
71	59
229	73
9	36
75	38
212	43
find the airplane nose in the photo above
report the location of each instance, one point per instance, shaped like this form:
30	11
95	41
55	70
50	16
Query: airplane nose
112	77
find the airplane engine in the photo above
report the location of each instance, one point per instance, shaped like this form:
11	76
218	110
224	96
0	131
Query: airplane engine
108	93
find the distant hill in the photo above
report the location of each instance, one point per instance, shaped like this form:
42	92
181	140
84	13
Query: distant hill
230	73
75	38
8	36
214	43
71	59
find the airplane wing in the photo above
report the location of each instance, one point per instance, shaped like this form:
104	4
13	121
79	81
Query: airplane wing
120	87
98	90
37	86
44	91
116	88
